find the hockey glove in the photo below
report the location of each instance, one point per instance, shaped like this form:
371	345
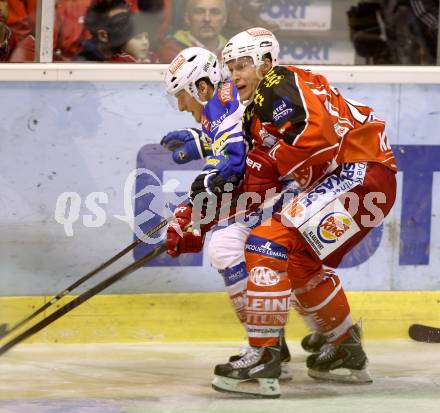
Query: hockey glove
216	173
186	145
208	181
261	172
180	238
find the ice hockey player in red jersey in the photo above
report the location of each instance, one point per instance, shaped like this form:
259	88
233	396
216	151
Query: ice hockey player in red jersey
193	79
289	258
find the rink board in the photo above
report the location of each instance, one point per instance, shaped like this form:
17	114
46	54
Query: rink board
67	193
206	317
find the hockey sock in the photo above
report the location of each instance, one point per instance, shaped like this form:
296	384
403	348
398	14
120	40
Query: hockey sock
235	279
267	305
323	305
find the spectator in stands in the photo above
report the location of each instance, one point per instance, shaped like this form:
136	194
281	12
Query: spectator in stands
22	17
7	37
413	30
157	14
69	32
204	20
111	26
395	31
139	44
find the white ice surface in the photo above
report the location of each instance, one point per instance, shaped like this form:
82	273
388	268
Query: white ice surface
168	378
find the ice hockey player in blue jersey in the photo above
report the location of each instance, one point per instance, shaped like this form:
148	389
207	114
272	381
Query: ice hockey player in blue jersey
194	79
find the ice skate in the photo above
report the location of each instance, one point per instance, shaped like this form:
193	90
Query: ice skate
286	371
313	342
258	363
345	363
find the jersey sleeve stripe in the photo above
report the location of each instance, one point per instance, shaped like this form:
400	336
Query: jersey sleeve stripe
228	142
306	118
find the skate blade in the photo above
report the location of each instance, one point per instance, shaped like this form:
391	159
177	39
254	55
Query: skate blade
266	388
286	372
343	376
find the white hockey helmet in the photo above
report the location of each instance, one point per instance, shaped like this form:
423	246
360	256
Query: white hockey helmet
255	43
188	67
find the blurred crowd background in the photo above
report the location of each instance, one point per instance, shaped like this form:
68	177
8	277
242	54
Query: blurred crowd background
345	32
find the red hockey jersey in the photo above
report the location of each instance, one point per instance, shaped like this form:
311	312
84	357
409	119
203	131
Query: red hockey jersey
313	123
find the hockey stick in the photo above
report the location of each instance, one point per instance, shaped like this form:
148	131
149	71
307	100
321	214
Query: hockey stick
109	281
425	334
4	331
82	298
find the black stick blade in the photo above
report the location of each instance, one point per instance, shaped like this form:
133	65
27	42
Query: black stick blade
425	334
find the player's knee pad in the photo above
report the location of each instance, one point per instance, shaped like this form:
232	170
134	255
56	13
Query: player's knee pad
235	279
323	305
226	247
267	305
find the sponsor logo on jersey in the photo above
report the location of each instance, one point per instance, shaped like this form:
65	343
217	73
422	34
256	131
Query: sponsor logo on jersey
355	171
329	229
333	226
272	78
177	64
314	241
296	210
258	98
336	184
214	124
282	110
262	246
225	93
351	175
264	277
205	122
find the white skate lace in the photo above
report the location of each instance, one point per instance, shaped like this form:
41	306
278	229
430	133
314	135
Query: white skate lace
244	350
251	356
328	351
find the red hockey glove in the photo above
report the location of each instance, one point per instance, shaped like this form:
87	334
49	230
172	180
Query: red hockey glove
180	240
261	172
